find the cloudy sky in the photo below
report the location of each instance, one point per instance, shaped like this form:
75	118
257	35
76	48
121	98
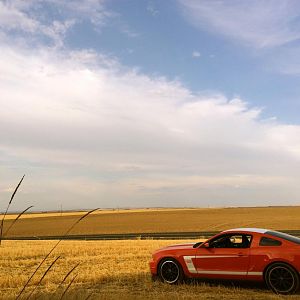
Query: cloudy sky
149	103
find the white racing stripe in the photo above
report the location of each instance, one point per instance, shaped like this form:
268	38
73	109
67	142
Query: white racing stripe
221	272
215	256
189	264
255	273
257	230
191	267
230	273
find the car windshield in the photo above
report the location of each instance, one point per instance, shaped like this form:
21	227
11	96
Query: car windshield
284	236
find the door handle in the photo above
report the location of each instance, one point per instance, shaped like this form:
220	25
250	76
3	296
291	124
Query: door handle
240	254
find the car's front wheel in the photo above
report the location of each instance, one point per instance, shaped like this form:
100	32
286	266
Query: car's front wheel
170	271
282	279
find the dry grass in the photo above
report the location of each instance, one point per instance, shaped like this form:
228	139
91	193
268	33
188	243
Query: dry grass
103	211
160	220
109	270
119	269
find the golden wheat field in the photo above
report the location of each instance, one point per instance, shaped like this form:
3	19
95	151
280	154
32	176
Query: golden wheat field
107	270
119	269
157	220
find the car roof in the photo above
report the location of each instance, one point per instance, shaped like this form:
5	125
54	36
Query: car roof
256	230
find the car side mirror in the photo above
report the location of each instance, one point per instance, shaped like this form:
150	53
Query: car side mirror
205	245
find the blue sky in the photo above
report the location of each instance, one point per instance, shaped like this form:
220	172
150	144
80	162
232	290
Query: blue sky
156	38
150	103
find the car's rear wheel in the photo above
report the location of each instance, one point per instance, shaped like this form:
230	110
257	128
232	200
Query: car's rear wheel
170	271
282	279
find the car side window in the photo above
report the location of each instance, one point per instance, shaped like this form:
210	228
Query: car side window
264	241
231	241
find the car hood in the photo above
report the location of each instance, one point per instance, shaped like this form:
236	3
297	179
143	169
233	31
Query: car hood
179	246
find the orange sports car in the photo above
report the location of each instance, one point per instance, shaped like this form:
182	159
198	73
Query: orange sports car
252	254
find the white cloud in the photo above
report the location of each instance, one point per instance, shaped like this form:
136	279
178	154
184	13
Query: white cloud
12	18
89	131
93	10
128	31
196	54
259	24
31	17
151	8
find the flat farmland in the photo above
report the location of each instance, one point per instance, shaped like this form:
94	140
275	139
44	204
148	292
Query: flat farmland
156	220
119	269
107	270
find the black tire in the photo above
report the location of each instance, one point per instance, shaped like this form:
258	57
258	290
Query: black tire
282	279
170	271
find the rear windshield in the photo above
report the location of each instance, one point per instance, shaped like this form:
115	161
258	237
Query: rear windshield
284	236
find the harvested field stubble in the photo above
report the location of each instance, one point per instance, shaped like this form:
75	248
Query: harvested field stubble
108	270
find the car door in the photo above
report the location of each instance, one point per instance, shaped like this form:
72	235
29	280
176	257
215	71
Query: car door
227	256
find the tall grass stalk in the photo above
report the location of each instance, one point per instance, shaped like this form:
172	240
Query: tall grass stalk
45	273
89	296
53	248
7	208
65	291
16	219
65	278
